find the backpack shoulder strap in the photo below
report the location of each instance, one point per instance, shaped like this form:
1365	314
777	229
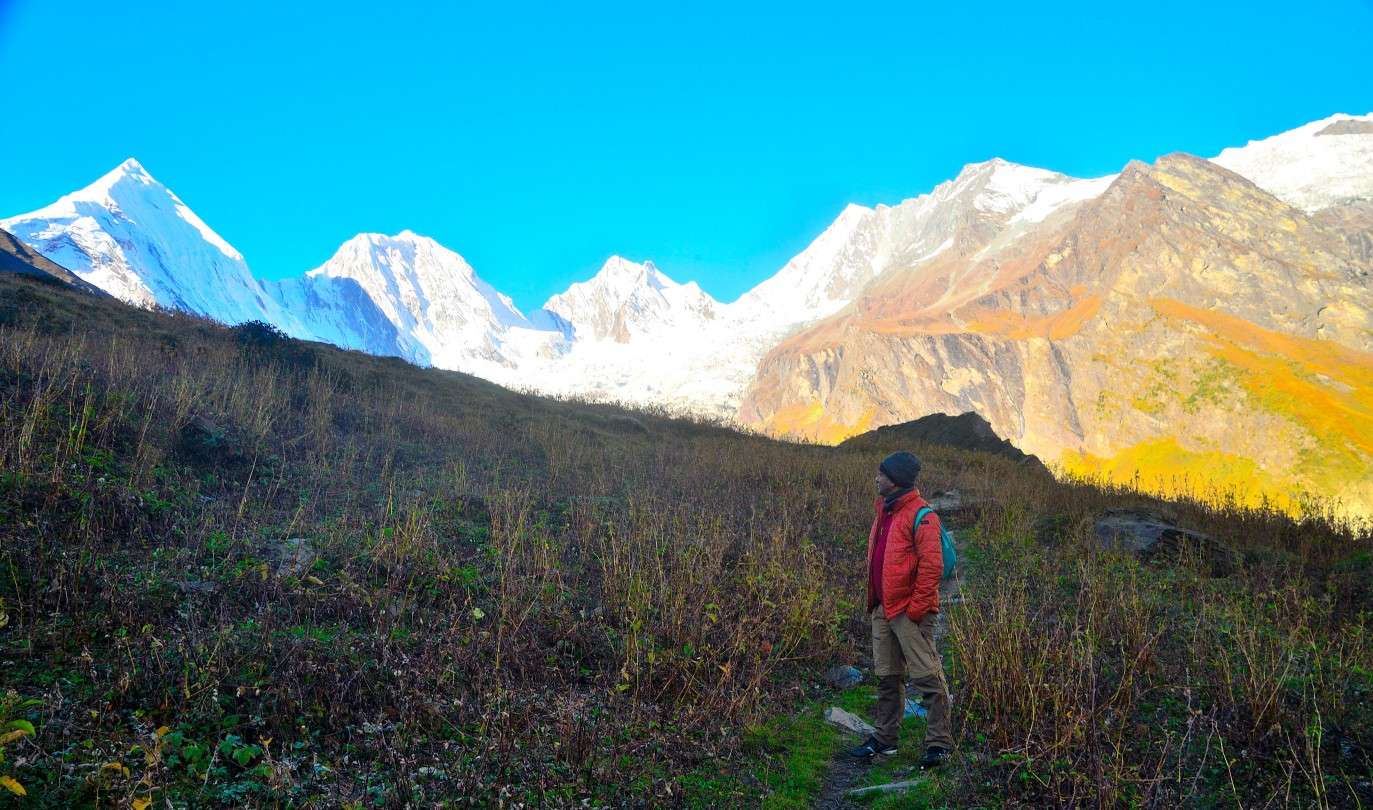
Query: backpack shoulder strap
919	516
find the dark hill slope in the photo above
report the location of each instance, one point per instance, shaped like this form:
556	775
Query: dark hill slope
16	257
967	431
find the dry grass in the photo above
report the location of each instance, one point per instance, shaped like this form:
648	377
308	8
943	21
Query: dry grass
514	600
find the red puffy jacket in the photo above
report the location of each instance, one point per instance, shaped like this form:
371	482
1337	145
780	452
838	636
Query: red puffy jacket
913	562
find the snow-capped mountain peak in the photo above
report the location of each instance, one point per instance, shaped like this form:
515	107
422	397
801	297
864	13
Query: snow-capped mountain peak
1011	186
623	276
130	169
1027	193
406	262
620	267
861	243
1317	165
119	187
627	298
430	294
100	191
133	237
410	296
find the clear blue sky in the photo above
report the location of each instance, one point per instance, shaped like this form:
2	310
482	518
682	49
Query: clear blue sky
717	140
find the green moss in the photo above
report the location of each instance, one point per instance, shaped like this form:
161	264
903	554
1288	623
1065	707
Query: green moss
787	759
903	766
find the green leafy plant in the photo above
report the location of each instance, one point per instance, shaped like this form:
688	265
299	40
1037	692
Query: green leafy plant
12	731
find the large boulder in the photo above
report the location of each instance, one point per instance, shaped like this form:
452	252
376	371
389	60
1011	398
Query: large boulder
951	504
1154	537
1138	531
291	557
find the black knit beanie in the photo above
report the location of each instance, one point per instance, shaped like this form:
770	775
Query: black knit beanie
901	468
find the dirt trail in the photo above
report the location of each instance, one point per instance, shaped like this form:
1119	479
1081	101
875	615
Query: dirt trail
845	773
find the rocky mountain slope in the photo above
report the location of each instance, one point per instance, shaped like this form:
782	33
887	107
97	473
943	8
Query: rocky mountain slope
1184	330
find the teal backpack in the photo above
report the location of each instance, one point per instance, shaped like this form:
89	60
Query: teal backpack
950	554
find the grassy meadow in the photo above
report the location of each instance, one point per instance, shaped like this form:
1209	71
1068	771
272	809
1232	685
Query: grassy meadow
240	570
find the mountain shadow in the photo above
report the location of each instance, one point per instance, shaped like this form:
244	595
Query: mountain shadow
16	257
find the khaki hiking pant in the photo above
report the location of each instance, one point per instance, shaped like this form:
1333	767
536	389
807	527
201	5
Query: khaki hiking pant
901	647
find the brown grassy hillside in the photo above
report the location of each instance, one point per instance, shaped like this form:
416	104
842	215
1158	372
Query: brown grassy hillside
238	569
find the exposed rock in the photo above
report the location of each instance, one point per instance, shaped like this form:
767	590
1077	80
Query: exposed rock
1355	221
1132	337
946	503
1348	126
848	721
843	676
1153	537
197	586
1138	531
291	557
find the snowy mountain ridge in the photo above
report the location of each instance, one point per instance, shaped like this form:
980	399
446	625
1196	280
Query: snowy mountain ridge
1315	166
629	332
626	299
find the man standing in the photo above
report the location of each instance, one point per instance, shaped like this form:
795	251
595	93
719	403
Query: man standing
905	563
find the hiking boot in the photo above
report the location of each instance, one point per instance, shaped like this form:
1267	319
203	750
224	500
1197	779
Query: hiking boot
871	748
935	757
